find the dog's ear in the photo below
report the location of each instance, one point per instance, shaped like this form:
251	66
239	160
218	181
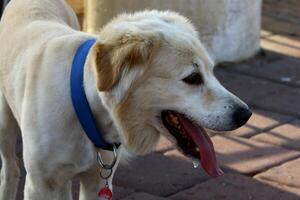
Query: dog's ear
129	50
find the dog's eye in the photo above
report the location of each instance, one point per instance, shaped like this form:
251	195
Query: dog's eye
193	79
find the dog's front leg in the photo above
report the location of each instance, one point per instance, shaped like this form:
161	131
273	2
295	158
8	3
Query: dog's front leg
37	189
10	172
90	182
46	179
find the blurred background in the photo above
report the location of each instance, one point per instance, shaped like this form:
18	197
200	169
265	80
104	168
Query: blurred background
221	23
256	45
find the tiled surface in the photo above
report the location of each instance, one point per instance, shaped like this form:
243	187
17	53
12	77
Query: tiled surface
284	100
282	44
248	88
143	196
281	27
281	187
287	135
284	71
159	175
120	192
232	187
288	10
287	174
249	157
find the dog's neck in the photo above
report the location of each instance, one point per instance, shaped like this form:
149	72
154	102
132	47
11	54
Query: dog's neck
101	115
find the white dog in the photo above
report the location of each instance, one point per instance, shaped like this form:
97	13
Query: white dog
147	75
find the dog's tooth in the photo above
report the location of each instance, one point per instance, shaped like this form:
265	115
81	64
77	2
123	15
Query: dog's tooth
196	163
174	119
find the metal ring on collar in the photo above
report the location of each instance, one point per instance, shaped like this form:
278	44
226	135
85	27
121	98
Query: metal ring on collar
107	166
106	176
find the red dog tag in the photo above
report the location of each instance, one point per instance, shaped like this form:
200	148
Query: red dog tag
105	194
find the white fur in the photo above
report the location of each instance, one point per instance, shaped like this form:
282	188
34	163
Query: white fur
40	38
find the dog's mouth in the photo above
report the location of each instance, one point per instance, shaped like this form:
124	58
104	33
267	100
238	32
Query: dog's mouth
193	140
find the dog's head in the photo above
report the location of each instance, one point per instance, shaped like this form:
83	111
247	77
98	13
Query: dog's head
156	77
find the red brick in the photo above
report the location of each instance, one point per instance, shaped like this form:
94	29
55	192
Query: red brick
158	175
285	71
120	192
262	93
287	135
243	155
143	196
284	99
249	157
287	174
245	87
287	9
282	44
292	190
277	26
234	187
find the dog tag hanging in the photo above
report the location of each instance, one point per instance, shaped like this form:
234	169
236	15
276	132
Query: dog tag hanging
105	193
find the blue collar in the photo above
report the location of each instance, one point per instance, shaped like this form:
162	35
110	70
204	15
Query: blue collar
79	100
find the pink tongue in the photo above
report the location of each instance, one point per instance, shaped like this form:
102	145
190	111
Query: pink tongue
207	152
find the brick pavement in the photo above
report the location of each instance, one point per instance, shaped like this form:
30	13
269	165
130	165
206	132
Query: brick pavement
232	187
262	159
287	135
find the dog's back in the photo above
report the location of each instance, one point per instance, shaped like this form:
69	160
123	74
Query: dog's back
26	11
29	31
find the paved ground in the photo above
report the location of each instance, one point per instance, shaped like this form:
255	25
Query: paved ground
262	159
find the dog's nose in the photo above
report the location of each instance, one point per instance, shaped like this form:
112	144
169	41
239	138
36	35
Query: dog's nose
241	115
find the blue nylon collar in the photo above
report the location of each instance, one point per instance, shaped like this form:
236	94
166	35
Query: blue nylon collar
79	100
